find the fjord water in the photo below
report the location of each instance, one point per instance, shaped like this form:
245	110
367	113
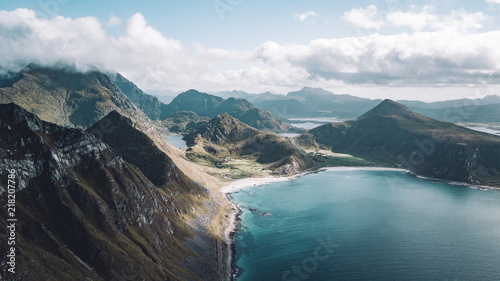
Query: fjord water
177	141
367	225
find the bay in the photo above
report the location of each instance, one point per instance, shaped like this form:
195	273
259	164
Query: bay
367	225
177	141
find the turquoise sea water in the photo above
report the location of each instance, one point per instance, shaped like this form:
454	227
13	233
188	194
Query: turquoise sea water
367	225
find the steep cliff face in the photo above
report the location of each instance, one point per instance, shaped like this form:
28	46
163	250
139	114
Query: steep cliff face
394	134
85	213
150	105
137	148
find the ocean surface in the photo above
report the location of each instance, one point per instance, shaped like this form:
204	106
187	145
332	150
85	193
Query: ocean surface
289	135
311	123
367	225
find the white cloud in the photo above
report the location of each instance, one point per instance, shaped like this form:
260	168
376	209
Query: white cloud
142	53
493	1
364	18
425	18
114	21
441	50
414	20
456	20
404	59
304	16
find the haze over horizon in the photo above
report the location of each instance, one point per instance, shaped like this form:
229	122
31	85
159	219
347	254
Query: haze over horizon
437	50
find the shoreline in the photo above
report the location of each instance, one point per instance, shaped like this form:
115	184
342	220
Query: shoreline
458	183
229	235
231	230
344	168
242	183
236	185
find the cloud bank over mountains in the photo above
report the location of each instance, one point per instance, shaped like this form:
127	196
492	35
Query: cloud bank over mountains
416	48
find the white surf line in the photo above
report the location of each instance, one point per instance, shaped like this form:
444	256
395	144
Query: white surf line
364	169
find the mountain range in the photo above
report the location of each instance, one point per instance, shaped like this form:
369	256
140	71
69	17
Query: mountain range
86	213
469	112
310	102
204	105
210	106
317	102
64	96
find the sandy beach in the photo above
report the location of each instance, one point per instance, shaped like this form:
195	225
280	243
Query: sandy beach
230	231
238	184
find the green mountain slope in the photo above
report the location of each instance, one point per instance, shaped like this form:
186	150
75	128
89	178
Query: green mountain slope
394	134
183	122
211	106
138	149
226	136
66	97
201	103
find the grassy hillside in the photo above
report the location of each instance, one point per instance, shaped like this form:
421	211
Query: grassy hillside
66	97
210	106
225	136
392	134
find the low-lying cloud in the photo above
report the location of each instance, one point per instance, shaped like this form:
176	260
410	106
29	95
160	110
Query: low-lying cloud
433	50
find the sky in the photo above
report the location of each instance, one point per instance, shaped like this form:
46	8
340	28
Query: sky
420	50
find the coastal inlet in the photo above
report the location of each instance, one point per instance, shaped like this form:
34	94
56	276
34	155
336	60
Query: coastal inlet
382	225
